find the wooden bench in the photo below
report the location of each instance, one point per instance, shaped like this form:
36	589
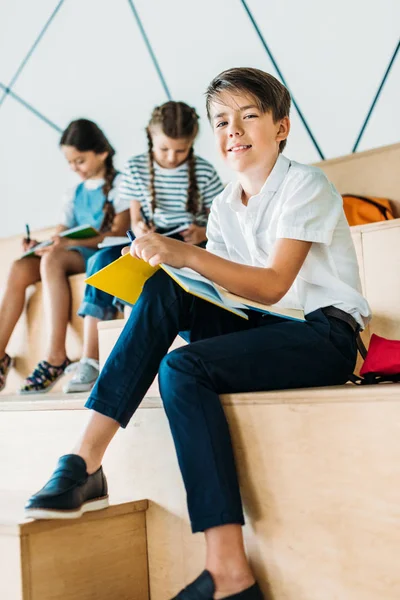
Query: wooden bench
61	560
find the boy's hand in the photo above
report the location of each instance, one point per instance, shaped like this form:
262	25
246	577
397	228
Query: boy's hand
194	234
155	249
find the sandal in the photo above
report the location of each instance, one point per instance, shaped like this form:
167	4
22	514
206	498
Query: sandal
6	364
43	378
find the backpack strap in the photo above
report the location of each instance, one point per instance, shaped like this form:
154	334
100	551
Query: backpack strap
337	313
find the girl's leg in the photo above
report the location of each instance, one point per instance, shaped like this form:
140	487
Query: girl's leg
96	303
90	338
23	272
55	268
96	306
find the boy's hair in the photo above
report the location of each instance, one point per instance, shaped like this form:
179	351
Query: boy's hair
176	120
86	136
269	94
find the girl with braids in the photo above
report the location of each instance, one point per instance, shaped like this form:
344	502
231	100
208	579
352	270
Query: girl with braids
168	188
92	202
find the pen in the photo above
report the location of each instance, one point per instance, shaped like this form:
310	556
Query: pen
28	233
130	235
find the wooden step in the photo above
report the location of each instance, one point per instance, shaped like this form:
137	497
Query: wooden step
319	471
102	555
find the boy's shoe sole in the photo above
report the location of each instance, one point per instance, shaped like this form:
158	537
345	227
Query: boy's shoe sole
90	506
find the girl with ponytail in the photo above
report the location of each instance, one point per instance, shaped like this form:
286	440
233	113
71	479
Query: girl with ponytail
92	202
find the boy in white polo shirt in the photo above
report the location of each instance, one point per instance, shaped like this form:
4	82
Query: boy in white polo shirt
278	236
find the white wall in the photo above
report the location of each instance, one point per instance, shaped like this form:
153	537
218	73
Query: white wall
92	62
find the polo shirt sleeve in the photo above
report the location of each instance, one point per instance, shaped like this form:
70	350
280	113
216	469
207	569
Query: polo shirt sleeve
311	211
120	203
215	241
68	210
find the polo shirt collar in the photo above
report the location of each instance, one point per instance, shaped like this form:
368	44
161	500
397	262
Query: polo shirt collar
271	185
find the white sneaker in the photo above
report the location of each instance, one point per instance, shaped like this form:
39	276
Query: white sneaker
86	372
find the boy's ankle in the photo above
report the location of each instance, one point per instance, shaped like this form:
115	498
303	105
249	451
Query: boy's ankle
92	465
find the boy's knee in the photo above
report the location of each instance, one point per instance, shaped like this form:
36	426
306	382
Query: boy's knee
175	368
159	283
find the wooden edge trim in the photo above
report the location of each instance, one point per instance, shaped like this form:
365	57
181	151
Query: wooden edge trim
117	510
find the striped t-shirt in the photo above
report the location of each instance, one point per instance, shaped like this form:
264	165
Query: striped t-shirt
171	188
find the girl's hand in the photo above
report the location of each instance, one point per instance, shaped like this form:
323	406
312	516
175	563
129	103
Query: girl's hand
155	249
194	234
28	245
140	228
59	243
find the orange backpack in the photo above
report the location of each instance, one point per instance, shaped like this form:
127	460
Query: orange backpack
362	209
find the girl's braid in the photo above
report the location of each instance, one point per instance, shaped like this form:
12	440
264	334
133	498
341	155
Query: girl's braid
192	204
152	187
108	206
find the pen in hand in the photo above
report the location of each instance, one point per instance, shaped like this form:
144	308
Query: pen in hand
28	234
130	235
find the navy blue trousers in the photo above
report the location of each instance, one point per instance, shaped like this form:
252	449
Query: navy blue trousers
226	354
95	302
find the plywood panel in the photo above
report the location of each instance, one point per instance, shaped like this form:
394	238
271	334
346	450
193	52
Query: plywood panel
371	173
10	568
101	559
382	277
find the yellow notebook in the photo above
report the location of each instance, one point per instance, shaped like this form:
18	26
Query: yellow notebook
125	278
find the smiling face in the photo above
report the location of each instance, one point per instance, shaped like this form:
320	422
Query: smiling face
88	164
247	138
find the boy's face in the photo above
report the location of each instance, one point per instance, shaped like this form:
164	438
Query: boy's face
246	137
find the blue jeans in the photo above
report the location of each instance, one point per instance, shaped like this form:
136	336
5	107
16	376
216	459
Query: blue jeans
226	354
96	303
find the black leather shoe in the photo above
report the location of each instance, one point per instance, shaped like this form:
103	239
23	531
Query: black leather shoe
70	492
203	588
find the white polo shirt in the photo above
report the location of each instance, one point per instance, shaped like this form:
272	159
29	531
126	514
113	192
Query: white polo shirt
297	202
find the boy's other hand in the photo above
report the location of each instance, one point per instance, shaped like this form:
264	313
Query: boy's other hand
194	234
155	249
